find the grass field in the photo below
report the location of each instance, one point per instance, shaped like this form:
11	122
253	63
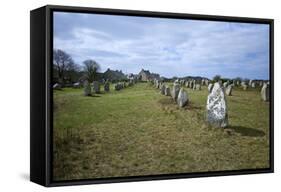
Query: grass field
137	131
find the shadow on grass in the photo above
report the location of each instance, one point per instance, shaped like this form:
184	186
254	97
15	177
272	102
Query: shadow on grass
246	131
93	95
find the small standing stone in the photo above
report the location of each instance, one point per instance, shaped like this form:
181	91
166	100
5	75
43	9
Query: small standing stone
96	87
265	92
253	85
216	107
175	91
210	87
225	84
182	99
228	90
167	91
87	88
197	87
245	87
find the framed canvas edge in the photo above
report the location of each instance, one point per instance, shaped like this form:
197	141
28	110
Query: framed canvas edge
49	10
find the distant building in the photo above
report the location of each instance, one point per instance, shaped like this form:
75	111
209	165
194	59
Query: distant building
145	75
112	75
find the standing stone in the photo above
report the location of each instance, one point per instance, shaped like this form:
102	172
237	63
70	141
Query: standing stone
175	91
160	85
167	91
87	88
216	107
96	87
265	92
182	99
250	82
225	84
207	82
197	87
162	89
245	87
253	85
106	86
210	87
187	84
228	90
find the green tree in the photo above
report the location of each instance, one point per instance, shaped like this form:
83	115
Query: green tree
216	78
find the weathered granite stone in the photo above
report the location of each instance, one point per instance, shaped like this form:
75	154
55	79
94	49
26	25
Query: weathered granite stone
197	87
175	91
225	84
87	88
182	99
217	115
265	92
167	91
210	87
187	84
253	85
244	86
96	87
228	90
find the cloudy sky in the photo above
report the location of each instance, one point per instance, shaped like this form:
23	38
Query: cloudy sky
170	47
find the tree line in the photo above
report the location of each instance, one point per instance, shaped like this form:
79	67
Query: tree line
66	71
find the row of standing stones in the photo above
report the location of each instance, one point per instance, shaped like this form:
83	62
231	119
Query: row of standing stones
216	106
96	86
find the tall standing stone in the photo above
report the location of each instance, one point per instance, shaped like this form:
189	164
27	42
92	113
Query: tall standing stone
175	91
197	87
228	90
96	87
167	91
253	85
187	84
245	87
225	84
217	114
87	88
265	92
182	99
210	87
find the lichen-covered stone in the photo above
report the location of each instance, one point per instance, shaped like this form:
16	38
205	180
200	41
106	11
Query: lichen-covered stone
87	88
265	92
217	115
182	99
175	91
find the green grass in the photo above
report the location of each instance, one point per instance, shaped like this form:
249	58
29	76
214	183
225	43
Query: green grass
137	131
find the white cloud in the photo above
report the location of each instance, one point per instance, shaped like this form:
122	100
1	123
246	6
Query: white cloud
172	47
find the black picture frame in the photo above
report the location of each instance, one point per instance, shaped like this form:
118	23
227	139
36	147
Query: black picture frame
41	43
